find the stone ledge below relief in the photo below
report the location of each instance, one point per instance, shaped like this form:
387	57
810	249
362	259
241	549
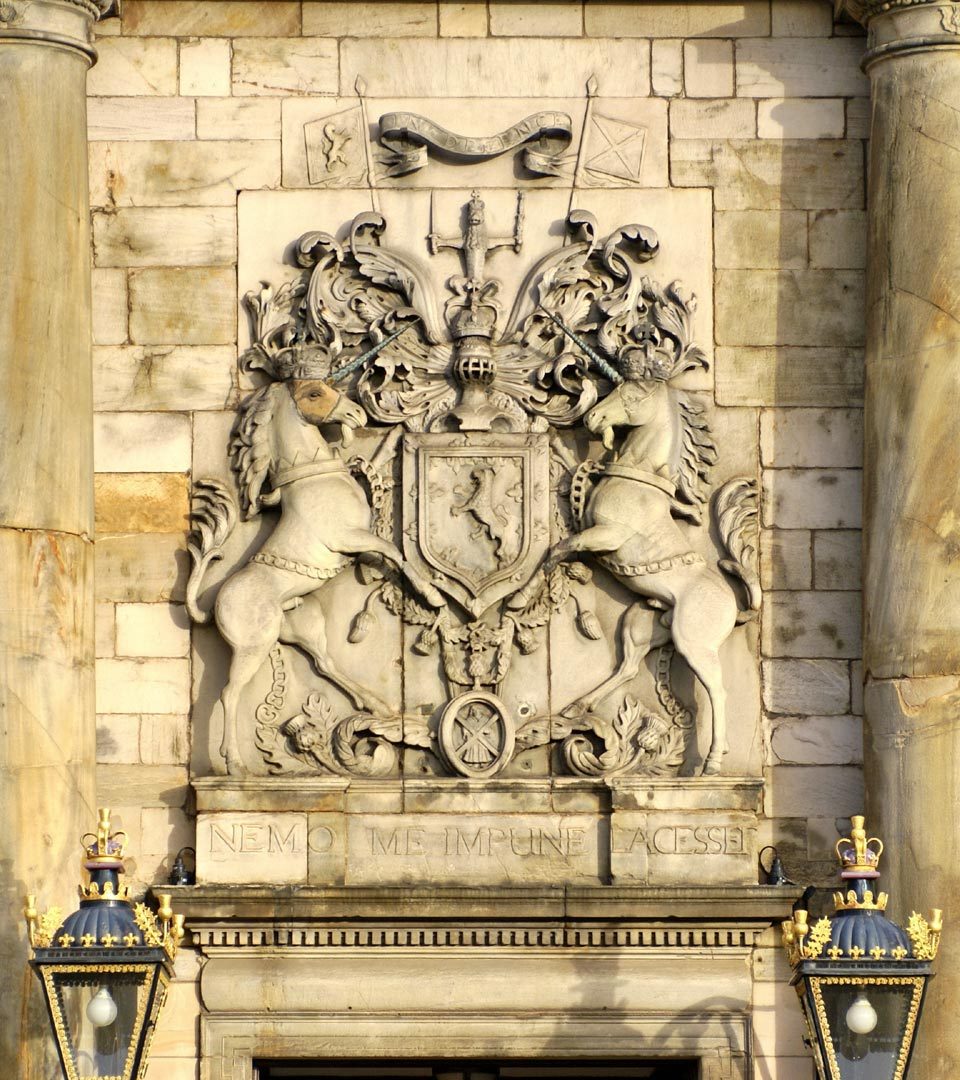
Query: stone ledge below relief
454	795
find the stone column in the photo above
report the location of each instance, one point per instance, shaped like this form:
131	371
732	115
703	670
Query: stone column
47	733
912	479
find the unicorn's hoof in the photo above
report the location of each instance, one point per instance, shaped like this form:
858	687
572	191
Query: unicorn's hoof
234	764
711	768
576	710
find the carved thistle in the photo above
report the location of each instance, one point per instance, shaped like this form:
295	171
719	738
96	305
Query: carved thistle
482	533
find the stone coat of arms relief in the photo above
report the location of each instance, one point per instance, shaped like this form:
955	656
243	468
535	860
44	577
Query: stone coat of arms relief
468	502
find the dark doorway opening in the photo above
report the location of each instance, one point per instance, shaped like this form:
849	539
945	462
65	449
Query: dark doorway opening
476	1070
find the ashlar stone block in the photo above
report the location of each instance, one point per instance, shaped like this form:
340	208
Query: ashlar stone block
837	559
163	831
504	67
168	236
785	559
666	68
859	115
133	686
815	687
468	19
790	307
205	67
192	173
145	567
548	19
789	376
677	20
708	68
341	18
759	239
723	118
810	438
141	786
238	118
812	498
819	740
764	174
109	306
132	378
164	739
112	118
140	502
105	630
128	66
183	306
141	442
118	738
811	624
284	66
838	238
227	18
815	791
802	18
800	67
800	118
161	630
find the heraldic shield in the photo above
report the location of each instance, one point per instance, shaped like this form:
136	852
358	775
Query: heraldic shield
476	509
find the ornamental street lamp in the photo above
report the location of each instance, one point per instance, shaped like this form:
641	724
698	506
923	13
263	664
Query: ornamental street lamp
860	977
104	969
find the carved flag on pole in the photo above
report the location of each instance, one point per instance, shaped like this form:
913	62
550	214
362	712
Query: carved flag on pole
335	149
617	149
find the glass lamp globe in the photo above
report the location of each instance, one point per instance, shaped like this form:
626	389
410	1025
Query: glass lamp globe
861	1016
102	1009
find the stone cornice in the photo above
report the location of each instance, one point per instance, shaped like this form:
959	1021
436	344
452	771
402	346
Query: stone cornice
536	908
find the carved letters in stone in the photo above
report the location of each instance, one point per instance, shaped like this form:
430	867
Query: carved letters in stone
467	497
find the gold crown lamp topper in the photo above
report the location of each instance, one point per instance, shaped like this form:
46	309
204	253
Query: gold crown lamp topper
120	923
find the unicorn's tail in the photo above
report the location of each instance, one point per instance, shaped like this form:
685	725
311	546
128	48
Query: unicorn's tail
736	510
214	516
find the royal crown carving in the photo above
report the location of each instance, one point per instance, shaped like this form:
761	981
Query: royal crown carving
461	492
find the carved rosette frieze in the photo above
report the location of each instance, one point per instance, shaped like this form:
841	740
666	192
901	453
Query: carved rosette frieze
474	480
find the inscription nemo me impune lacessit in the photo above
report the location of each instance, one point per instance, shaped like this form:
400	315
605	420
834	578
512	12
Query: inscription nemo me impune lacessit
365	848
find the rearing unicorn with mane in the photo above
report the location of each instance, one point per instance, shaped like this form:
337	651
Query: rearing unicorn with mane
281	458
625	509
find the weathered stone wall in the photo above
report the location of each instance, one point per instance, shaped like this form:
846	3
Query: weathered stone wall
759	107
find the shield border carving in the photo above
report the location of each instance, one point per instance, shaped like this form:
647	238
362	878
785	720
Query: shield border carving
418	448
